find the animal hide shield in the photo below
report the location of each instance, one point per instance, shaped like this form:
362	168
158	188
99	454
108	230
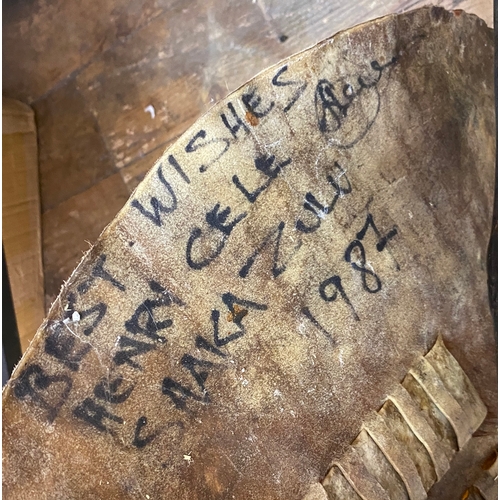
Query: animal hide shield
260	320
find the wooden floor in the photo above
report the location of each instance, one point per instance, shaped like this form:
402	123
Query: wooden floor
113	82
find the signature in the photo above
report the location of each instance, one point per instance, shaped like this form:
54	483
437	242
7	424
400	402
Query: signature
347	108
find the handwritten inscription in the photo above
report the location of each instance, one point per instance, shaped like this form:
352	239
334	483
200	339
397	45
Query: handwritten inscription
217	145
98	271
48	391
65	347
219	229
298	87
89	318
158	207
96	414
141	439
347	108
331	288
111	392
143	321
146	323
253	102
264	164
344	108
199	369
233	122
341	187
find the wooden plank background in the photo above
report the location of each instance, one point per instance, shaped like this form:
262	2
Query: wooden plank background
92	69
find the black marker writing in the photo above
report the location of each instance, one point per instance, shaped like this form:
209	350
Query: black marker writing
198	142
320	210
48	391
202	343
129	349
307	313
253	103
329	289
141	442
157	206
263	163
109	391
98	271
216	220
178	168
99	310
62	344
238	309
178	393
359	265
280	83
382	240
143	321
237	124
95	414
272	238
336	103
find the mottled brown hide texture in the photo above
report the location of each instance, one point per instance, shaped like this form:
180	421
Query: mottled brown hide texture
273	278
